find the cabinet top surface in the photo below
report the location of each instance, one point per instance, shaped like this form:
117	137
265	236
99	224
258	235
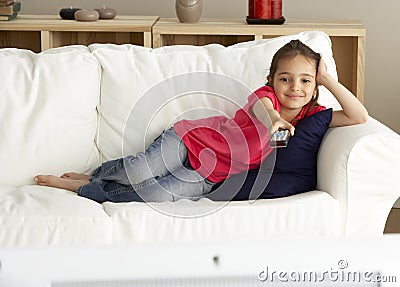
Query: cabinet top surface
55	23
239	26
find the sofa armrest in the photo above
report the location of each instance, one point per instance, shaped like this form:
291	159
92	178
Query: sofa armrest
359	166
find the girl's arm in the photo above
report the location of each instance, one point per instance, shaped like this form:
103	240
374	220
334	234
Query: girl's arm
353	111
264	111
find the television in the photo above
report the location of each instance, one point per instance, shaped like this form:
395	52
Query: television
351	261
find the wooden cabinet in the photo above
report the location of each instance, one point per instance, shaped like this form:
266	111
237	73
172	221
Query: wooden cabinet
41	32
348	40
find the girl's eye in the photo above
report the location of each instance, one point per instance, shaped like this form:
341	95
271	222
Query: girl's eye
306	81
284	79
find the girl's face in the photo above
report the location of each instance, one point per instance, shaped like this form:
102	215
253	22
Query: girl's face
295	82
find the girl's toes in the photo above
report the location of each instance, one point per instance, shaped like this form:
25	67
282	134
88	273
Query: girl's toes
67	175
40	179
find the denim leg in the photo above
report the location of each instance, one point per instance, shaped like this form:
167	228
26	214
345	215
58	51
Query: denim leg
102	191
183	183
166	154
158	174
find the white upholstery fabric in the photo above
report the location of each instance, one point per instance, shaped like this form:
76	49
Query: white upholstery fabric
41	216
356	171
310	214
48	117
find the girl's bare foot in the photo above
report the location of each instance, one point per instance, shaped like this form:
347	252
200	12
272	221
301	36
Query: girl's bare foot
74	175
64	183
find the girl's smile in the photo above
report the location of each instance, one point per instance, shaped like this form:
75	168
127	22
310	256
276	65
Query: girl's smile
294	96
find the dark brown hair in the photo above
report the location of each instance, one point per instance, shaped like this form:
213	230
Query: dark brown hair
290	50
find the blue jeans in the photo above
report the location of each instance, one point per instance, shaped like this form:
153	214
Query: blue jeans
161	173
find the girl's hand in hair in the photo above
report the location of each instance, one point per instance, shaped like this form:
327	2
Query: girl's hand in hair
322	73
353	112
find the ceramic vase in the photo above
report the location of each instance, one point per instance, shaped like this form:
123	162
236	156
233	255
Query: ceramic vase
188	11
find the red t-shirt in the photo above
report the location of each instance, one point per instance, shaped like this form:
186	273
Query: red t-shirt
219	147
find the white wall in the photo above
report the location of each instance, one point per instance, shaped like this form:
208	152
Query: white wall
382	88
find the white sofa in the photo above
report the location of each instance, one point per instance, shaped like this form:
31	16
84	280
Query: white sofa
71	108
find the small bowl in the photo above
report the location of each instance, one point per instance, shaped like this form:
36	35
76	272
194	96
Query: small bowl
68	13
106	13
86	15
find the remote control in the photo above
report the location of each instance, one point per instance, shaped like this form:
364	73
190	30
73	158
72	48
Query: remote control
280	138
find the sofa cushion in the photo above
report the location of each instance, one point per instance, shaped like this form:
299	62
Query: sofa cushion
294	170
48	117
145	90
33	215
310	214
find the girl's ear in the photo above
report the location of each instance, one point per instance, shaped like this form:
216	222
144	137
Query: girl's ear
315	94
315	91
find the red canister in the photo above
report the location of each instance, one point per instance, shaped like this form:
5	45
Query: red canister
263	9
276	9
251	9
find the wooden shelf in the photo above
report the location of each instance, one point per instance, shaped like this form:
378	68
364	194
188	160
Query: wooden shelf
41	32
348	40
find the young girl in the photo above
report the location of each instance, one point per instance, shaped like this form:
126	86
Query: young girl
187	160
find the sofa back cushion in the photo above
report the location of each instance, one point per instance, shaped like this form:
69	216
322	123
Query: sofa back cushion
48	117
144	90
